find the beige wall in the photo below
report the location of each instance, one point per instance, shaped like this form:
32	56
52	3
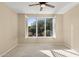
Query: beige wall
71	28
59	30
67	29
8	29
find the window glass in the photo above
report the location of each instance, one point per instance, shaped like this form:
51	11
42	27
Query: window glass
31	27
49	31
41	27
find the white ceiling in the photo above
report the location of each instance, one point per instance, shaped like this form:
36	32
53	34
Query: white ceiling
22	7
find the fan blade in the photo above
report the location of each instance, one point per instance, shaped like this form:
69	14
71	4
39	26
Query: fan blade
34	4
50	5
41	8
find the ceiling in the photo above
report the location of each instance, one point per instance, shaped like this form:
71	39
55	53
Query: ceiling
22	7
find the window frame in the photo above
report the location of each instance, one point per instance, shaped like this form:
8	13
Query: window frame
26	28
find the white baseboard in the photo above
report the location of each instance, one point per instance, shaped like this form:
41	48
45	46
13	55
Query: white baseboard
53	43
67	45
8	50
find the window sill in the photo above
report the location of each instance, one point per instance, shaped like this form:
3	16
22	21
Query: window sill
40	37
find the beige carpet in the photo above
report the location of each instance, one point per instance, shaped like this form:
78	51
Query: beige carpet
41	50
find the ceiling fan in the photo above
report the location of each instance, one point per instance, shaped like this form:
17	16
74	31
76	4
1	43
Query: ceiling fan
43	4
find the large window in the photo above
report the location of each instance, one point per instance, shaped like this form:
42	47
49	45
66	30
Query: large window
40	27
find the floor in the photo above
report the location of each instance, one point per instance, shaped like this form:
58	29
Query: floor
41	50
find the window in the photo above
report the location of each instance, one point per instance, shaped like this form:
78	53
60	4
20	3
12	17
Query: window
40	27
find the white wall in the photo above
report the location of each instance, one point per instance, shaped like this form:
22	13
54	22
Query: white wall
8	29
71	28
59	30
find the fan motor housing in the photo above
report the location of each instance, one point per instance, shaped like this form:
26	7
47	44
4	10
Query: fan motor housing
42	2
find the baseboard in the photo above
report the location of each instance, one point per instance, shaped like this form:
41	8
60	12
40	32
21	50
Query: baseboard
53	43
8	50
67	45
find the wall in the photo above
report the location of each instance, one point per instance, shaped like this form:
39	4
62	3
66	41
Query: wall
71	28
8	29
59	30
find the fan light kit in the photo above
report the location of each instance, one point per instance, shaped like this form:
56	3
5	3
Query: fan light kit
43	5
